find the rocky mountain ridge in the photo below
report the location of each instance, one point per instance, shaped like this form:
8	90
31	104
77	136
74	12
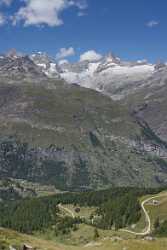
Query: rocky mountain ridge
16	66
109	75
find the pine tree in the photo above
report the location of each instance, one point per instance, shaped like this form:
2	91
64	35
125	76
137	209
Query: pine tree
156	224
96	234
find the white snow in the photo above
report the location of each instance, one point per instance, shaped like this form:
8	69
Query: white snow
70	77
53	68
42	65
109	75
92	68
127	70
112	78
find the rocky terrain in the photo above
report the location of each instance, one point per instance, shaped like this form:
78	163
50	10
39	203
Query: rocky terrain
59	133
109	75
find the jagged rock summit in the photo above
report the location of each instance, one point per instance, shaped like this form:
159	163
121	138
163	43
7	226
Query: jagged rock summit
109	75
19	66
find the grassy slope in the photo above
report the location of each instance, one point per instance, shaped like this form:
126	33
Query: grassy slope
14	238
155	211
117	240
65	116
37	110
158	211
153	97
84	236
84	211
107	243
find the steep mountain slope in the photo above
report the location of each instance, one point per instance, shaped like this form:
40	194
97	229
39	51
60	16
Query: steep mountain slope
19	66
46	64
111	76
138	84
149	102
56	133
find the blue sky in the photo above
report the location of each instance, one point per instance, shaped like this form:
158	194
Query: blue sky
132	29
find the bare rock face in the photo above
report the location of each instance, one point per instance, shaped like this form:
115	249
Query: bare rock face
46	64
14	65
150	102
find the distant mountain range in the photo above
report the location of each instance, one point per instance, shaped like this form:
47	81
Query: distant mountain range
83	125
108	75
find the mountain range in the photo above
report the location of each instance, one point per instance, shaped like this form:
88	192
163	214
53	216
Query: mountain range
83	125
108	75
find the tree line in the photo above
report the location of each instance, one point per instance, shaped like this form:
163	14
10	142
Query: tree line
116	207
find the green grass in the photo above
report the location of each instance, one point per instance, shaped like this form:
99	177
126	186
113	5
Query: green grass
83	238
16	239
80	121
155	211
109	242
116	240
158	211
84	211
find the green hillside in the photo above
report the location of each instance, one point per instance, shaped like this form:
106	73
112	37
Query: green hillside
70	137
54	228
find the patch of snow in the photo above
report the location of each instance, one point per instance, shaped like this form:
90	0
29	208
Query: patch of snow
42	65
109	75
92	68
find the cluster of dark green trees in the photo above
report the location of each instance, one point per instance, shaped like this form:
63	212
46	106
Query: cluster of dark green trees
28	215
116	207
119	212
66	224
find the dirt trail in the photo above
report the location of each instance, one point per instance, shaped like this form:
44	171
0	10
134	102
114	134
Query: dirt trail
147	230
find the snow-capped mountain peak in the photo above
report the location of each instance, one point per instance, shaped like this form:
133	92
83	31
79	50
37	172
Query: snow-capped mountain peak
109	75
111	58
46	63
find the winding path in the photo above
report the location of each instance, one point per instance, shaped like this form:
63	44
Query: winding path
147	230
